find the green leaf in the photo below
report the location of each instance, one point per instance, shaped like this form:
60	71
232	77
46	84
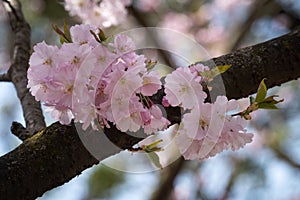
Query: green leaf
150	64
211	74
267	106
261	92
252	100
152	147
101	35
271	100
62	36
67	32
154	159
223	68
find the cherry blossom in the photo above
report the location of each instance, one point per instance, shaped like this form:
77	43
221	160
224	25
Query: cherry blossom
182	88
216	130
107	83
104	14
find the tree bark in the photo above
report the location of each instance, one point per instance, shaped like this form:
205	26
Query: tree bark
48	159
277	60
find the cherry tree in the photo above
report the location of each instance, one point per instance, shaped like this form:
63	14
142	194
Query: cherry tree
125	95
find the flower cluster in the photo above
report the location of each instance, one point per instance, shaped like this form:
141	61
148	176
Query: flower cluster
90	80
206	128
87	80
105	13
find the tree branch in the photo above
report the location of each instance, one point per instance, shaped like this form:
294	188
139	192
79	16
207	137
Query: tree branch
258	9
50	158
284	157
168	176
18	70
277	60
140	18
56	153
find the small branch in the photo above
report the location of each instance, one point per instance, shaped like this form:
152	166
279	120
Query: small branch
18	130
144	23
32	112
168	176
281	155
257	10
5	78
232	179
13	10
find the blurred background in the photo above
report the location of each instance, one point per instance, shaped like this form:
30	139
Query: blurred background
268	168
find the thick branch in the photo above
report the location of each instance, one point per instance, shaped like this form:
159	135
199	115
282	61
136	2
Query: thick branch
48	159
277	60
55	155
18	71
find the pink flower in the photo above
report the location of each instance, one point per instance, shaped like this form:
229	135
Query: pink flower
146	117
78	7
61	113
182	89
165	102
73	54
147	5
129	119
215	130
124	88
198	68
44	55
80	34
93	82
151	84
196	123
157	121
113	12
123	44
104	14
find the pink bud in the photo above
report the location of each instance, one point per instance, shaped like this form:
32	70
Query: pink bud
165	102
156	112
146	117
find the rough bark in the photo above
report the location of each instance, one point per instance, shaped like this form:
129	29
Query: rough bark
277	60
50	158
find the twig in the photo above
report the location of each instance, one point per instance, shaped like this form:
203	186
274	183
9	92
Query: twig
18	70
258	8
281	155
143	22
168	176
18	130
13	10
5	78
